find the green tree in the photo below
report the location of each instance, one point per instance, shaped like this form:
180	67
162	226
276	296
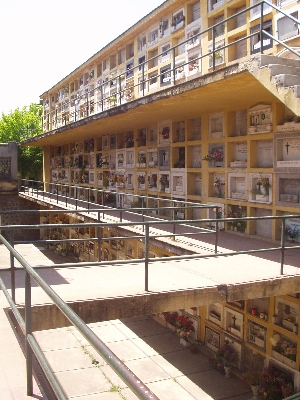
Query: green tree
18	126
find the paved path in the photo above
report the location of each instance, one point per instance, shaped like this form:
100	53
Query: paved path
149	350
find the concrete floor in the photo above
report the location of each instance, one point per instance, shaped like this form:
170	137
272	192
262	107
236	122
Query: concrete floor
150	350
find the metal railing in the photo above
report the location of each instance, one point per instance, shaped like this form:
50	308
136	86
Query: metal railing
53	118
32	346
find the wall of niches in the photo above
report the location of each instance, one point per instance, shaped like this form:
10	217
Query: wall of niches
243	159
14	202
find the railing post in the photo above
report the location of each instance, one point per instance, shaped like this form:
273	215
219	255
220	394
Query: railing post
282	246
87	104
143	219
28	331
99	238
146	228
261	28
75	194
173	51
102	203
143	78
213	49
120	90
217	236
12	268
102	101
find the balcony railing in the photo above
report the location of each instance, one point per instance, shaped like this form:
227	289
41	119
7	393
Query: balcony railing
101	97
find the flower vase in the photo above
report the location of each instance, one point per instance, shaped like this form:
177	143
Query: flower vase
227	371
183	342
218	164
255	389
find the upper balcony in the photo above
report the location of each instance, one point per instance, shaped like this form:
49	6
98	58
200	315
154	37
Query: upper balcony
190	53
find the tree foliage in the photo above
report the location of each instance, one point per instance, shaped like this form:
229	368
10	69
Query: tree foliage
18	126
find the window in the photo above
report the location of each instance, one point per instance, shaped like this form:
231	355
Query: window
154	62
256	39
195	11
99	70
164	27
142	43
129	69
153	37
178	20
181	48
255	12
142	85
105	65
214	4
122	56
129	51
142	59
165	75
153	80
219	29
113	61
287	28
194	38
165	50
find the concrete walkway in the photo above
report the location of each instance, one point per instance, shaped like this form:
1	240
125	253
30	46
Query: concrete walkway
148	349
151	351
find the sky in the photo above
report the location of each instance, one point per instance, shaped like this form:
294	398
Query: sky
43	41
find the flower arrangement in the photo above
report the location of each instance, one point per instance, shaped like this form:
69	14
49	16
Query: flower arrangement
215	155
226	355
109	197
104	159
171	318
184	327
265	183
163	180
237	213
284	347
112	178
141	179
120	178
194	65
252	378
275	384
142	158
153	177
130	141
292	231
218	185
165	132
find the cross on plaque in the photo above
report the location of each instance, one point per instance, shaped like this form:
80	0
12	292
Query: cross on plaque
287	147
164	155
259	185
234	319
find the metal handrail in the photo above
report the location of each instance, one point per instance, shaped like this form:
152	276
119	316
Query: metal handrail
142	66
133	382
32	346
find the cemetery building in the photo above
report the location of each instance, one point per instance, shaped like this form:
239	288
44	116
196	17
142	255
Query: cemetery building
184	106
196	102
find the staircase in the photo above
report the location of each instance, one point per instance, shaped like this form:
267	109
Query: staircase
281	76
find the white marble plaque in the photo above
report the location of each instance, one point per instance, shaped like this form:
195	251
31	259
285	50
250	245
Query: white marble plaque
265	154
290	150
240	123
216	125
241	49
291	186
240	151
